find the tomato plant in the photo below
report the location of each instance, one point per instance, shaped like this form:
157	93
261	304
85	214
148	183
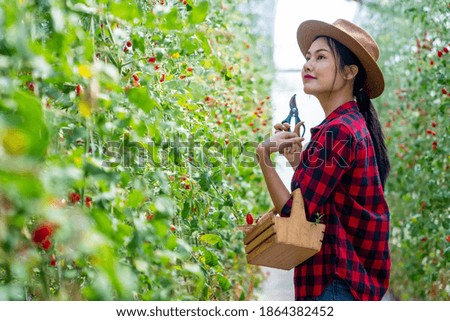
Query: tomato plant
127	133
414	38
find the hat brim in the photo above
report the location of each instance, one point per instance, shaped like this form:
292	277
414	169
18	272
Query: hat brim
309	30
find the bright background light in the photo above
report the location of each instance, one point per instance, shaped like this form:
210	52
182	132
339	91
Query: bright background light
289	15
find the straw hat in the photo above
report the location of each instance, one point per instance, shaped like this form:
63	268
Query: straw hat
354	38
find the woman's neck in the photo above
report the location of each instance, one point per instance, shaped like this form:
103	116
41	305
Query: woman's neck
330	102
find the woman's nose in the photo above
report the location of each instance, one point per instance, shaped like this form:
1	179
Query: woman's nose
307	66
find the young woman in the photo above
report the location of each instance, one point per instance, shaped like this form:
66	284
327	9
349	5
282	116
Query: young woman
342	171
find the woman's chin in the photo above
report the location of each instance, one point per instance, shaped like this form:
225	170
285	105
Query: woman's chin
308	91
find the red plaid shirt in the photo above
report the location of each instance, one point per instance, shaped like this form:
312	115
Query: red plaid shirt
338	177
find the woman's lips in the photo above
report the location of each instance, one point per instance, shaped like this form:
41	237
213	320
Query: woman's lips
308	77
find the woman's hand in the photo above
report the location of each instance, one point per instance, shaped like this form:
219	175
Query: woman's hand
293	152
286	143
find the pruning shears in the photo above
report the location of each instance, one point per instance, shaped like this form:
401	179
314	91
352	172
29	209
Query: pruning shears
294	113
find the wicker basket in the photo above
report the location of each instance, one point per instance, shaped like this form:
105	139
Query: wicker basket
283	242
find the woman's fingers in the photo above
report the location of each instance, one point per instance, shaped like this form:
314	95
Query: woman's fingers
296	140
281	127
281	140
289	145
284	127
297	128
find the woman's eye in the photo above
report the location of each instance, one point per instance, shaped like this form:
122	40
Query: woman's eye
307	58
320	57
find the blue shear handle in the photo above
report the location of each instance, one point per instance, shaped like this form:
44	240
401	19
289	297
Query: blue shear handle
287	120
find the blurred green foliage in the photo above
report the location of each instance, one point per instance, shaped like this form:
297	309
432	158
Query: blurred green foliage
414	38
128	127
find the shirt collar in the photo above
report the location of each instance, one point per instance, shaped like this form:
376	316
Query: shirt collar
341	110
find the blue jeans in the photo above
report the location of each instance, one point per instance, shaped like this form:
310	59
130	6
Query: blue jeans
337	290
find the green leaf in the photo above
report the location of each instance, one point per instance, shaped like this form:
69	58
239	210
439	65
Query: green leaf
185	213
205	181
199	13
138	42
194	269
24	183
210	258
123	231
175	155
141	98
125	10
204	43
171	242
103	223
212	239
27	132
172	21
135	198
224	283
155	133
161	228
190	44
150	21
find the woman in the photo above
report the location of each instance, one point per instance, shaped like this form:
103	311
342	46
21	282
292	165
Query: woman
342	171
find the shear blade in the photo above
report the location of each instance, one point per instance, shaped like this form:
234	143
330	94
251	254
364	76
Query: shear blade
292	102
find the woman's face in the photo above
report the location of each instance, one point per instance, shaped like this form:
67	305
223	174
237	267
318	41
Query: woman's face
320	73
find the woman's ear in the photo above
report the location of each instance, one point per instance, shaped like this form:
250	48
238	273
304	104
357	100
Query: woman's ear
350	72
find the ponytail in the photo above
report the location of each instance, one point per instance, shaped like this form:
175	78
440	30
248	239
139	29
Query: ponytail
346	58
373	125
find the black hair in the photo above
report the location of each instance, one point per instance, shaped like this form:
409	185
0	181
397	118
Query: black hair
346	58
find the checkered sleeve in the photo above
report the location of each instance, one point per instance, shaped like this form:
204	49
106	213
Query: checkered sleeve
329	155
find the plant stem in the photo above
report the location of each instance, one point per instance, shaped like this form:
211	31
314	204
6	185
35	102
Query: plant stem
44	282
